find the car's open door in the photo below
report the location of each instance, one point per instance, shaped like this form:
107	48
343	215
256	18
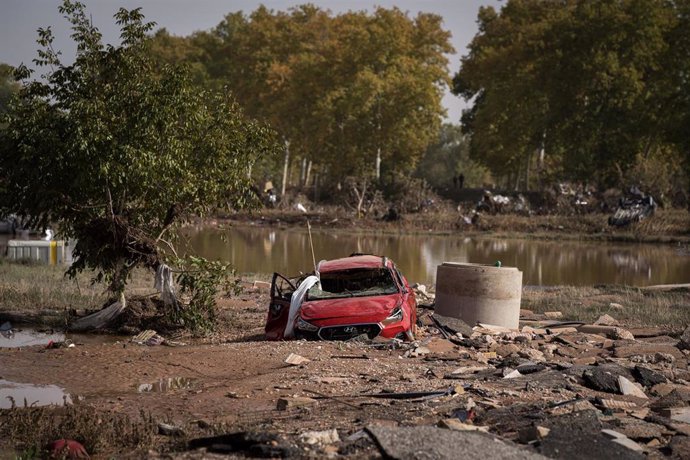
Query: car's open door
282	289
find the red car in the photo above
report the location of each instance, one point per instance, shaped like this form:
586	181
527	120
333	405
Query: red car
352	296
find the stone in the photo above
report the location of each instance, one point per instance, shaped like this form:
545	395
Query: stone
680	446
533	433
457	425
684	343
530	368
572	407
647	377
606	320
616	306
426	442
630	389
298	401
506	349
513	374
320	437
642	430
623	440
470	369
453	325
553	314
578	435
296	360
601	380
679	414
532	355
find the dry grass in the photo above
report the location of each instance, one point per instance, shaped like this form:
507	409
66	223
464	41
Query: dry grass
669	309
28	430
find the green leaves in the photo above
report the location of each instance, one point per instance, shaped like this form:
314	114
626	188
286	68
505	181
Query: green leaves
107	146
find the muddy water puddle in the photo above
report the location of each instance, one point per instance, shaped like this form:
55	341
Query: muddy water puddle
21	394
165	385
28	337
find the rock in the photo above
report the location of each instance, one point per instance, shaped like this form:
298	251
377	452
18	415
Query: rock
532	355
320	437
680	446
296	360
616	306
298	401
578	435
553	314
530	368
506	349
425	442
642	430
623	440
647	377
621	334
679	397
533	433
570	407
453	325
457	425
470	369
167	429
512	375
679	414
601	380
684	343
606	320
630	389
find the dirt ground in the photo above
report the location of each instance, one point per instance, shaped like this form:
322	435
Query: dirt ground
234	381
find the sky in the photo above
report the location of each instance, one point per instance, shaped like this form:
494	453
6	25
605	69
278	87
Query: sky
20	19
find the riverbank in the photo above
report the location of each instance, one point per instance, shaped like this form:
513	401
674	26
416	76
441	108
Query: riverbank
670	226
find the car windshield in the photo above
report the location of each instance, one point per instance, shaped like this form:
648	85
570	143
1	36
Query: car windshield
353	283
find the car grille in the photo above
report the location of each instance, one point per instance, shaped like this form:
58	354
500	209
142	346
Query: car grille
349	331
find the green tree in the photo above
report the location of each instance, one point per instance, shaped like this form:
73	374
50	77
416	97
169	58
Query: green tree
581	82
9	87
117	151
448	157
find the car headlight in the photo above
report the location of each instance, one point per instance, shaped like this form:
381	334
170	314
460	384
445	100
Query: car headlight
302	325
395	316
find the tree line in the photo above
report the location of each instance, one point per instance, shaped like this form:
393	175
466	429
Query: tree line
593	91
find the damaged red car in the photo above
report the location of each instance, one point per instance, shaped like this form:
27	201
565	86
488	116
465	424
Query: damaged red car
346	298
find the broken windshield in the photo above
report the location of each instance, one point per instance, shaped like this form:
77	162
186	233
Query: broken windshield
353	283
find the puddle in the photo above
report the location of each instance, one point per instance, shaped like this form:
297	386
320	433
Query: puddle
27	337
165	385
35	395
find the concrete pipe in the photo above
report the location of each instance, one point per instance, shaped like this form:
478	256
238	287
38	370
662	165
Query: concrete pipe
479	293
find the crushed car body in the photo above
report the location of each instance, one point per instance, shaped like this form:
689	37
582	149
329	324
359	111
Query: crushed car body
346	298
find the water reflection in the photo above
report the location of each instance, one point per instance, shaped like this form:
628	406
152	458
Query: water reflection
34	395
264	250
164	385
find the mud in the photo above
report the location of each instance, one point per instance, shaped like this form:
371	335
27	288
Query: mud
234	381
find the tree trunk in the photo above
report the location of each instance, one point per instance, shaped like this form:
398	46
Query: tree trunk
285	170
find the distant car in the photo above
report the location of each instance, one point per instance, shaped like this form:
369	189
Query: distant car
356	295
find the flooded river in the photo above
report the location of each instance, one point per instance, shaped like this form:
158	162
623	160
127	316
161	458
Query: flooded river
264	250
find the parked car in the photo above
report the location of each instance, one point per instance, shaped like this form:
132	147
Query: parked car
350	297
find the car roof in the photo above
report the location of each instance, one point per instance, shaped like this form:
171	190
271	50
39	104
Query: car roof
354	262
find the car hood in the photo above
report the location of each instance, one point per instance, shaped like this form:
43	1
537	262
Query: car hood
351	309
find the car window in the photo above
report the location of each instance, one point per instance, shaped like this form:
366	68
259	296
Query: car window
353	283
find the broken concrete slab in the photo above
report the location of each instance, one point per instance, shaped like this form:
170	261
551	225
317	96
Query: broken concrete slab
578	435
623	440
630	389
601	380
533	433
647	377
642	431
297	401
457	425
679	414
453	325
627	350
425	442
606	320
296	360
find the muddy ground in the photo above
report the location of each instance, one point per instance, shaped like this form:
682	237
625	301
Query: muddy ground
566	391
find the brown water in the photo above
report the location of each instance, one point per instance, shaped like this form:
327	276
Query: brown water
265	250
